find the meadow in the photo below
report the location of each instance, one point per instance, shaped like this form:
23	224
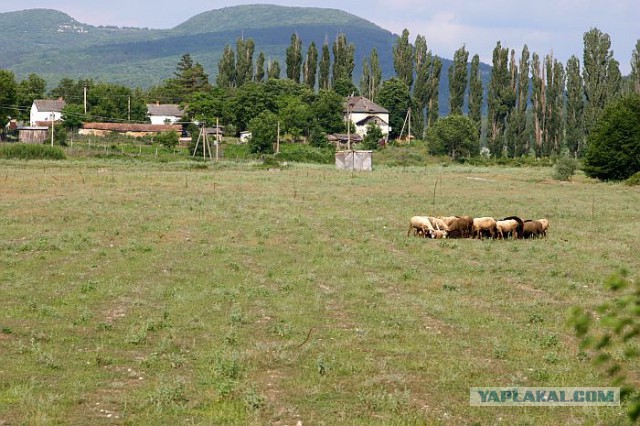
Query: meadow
192	293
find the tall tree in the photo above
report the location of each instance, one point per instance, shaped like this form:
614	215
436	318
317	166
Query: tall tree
475	92
596	58
190	77
501	99
343	58
244	61
555	86
421	88
458	80
227	69
518	139
260	72
614	80
395	97
8	96
575	108
433	108
371	75
324	81
274	70
403	58
635	69
30	89
294	58
310	69
539	103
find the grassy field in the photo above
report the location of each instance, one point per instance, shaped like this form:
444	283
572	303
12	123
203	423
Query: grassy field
179	293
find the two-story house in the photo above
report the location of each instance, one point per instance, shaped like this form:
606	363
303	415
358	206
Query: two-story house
44	111
362	111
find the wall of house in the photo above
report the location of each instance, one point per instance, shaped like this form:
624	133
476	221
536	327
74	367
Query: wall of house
40	116
362	130
162	119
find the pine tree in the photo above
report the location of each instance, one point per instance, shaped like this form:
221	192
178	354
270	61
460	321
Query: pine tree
458	80
294	58
475	92
596	58
403	58
244	61
260	72
324	81
575	108
227	69
310	68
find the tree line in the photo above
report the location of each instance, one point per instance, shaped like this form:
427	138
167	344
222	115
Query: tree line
534	105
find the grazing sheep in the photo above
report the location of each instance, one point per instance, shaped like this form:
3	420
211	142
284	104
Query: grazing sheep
511	226
482	225
438	223
532	229
545	226
447	219
437	234
421	226
465	224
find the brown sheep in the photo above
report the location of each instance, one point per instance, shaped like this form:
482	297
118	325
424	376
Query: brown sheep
465	224
482	225
532	229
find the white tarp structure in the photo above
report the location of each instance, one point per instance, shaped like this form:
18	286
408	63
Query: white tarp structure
354	160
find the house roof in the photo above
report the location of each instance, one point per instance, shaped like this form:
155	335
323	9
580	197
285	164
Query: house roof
360	104
128	127
50	105
379	121
165	110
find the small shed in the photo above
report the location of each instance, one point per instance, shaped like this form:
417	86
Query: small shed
33	134
354	160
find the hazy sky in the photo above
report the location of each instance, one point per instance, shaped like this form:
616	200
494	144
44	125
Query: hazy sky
544	25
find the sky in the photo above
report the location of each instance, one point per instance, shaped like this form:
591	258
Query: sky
545	26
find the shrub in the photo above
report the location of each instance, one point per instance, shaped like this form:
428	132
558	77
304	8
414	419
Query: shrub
300	153
564	168
633	180
168	139
24	151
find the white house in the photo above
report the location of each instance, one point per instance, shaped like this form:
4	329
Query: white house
361	111
44	110
164	113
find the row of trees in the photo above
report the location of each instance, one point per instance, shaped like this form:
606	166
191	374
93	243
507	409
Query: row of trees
533	104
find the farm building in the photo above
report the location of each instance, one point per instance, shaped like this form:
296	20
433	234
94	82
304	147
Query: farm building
33	134
361	111
160	114
132	130
43	110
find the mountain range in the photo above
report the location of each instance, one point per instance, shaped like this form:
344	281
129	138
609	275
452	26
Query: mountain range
54	45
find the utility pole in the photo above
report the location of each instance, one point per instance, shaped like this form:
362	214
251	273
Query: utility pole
278	140
85	99
129	109
53	117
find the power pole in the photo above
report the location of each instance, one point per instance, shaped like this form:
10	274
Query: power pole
85	100
53	117
129	109
278	140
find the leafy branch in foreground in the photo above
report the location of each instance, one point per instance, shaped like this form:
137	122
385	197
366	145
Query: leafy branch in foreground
614	335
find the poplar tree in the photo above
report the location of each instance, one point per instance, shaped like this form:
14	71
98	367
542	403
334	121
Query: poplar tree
227	69
190	77
260	72
324	81
244	61
458	80
343	59
554	105
371	76
274	70
634	78
596	58
475	92
310	68
421	89
403	57
433	108
538	100
575	108
518	139
294	58
501	99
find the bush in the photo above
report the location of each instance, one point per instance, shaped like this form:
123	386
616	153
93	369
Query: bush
564	168
633	180
168	139
25	151
300	153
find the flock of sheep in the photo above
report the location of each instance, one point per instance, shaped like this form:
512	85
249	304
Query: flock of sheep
479	227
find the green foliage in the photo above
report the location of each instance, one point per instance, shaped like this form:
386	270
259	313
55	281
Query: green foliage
264	132
403	58
24	151
343	58
614	338
395	97
634	180
8	96
72	116
458	80
455	135
564	168
373	136
300	153
168	139
614	142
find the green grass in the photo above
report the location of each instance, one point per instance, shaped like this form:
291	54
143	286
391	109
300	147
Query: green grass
180	292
